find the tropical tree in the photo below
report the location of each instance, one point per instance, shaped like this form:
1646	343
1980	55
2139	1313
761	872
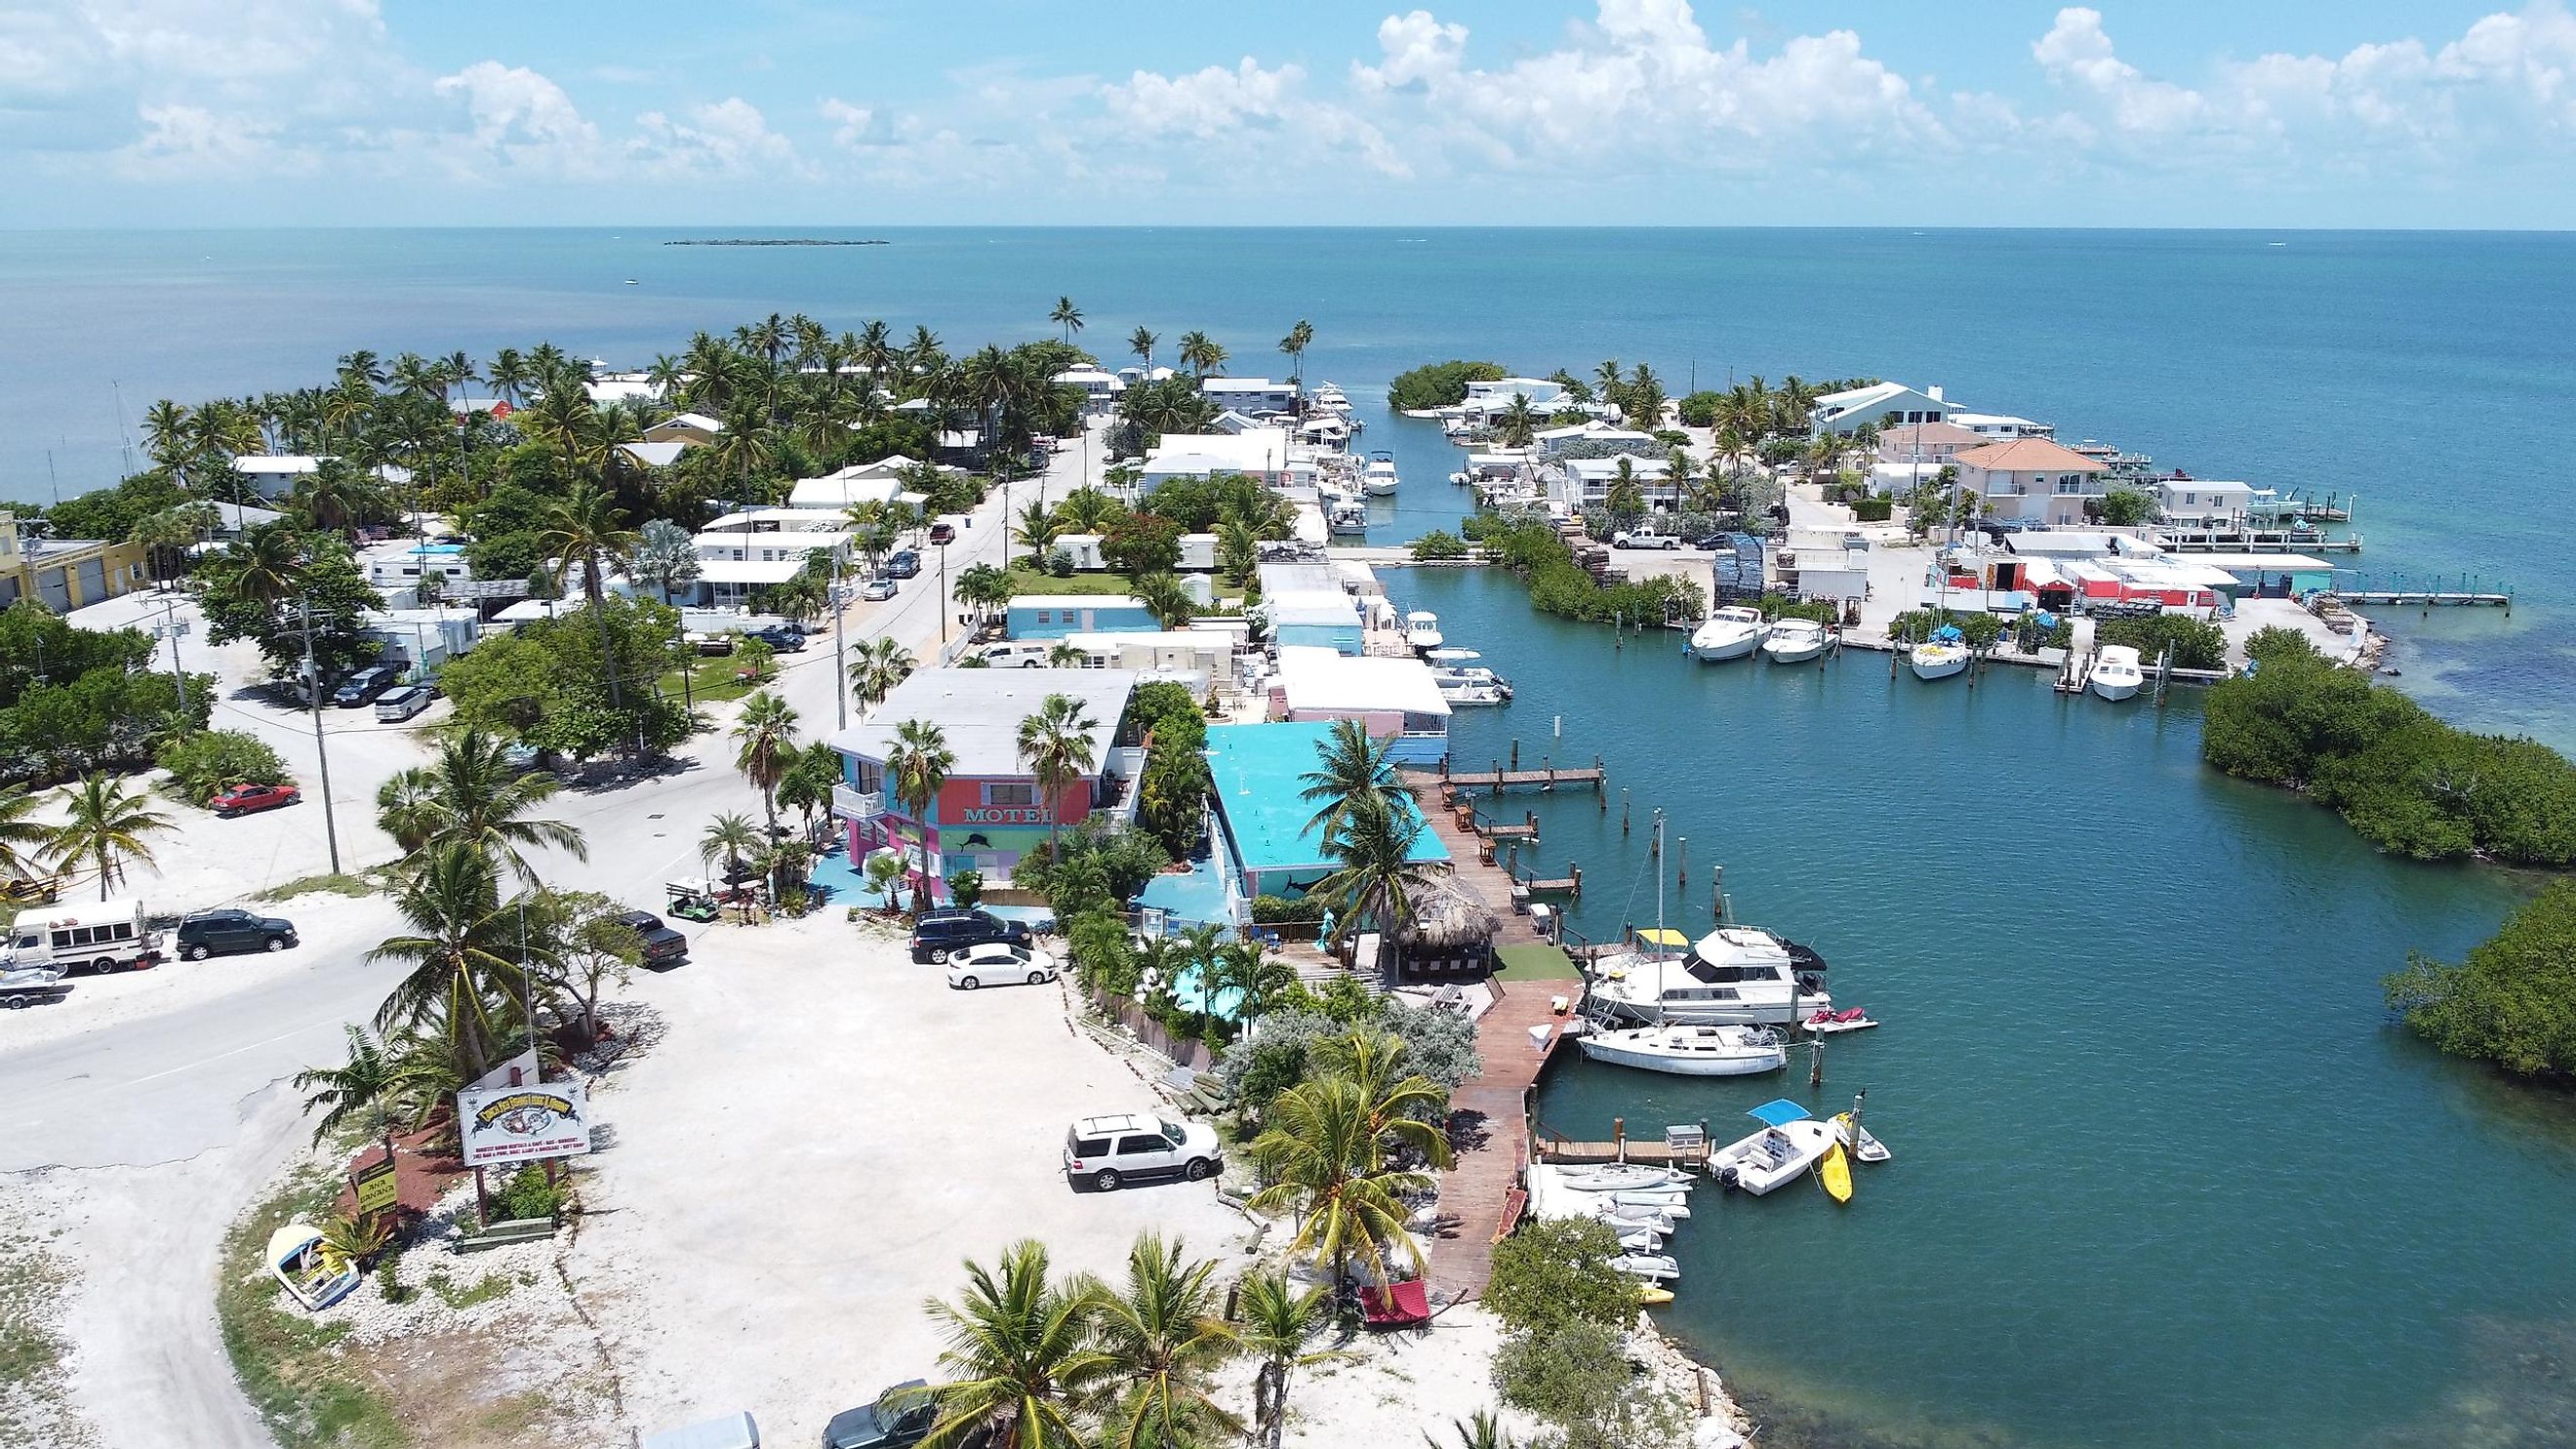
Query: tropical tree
1019	1356
1520	421
1201	354
665	556
1376	876
585	526
1065	656
1067	316
1038	528
1278	1321
475	795
1299	338
1480	1430
765	740
21	839
467	950
1626	496
1160	1340
353	1091
1055	745
1257	977
1141	342
108	825
916	769
732	838
1167	599
1323	1161
876	667
1350	765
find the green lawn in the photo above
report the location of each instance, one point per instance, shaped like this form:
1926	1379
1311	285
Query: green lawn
711	678
1540	962
1026	580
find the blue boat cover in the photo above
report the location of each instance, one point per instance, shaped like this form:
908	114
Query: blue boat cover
1778	1112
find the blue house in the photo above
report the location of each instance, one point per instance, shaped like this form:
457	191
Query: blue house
1255	774
1053	616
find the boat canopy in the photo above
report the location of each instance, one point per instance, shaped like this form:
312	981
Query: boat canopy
1779	1112
1663	938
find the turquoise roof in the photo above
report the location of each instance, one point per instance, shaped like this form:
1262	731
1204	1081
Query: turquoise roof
1256	770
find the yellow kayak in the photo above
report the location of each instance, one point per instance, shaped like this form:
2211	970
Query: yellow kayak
1835	1171
1654	1297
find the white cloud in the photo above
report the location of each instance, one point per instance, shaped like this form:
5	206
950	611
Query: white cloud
1215	104
524	119
729	137
851	125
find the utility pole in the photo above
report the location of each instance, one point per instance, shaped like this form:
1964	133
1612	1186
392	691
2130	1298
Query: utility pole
172	628
840	661
943	597
313	695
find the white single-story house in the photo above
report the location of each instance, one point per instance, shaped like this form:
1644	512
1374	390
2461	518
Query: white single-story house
1595	436
2031	479
2190	502
1879	405
878	482
1493	399
732	562
1259	453
1100	388
621	387
423	638
274	475
778	520
1395	698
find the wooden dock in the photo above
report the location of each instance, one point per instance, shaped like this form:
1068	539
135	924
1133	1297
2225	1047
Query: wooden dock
1546	777
1488	1122
2423	598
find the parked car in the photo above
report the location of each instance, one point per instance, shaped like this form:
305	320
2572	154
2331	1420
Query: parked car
1642	539
401	704
1019	654
362	687
714	643
903	565
1106	1151
939	934
900	1416
879	588
998	963
209	933
245	799
663	946
943	532
781	637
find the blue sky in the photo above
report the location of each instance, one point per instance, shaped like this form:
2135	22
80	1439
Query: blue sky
781	112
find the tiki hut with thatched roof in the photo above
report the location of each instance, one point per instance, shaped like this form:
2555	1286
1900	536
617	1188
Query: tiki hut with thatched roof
1451	933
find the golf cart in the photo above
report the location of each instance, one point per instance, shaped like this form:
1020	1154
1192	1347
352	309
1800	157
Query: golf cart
693	899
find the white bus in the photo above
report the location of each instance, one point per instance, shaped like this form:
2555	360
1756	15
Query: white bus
105	935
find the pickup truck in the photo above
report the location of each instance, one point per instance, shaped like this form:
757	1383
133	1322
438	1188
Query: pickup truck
662	945
1641	539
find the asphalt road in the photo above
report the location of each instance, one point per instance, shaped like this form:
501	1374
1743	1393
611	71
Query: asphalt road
153	1127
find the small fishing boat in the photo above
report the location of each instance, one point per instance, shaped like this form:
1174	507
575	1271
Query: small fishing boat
2116	674
1347	515
1637	1239
1379	476
1939	658
1422	631
1788	1144
1457	668
1868	1148
1835	1023
1461	694
22	986
1689	1051
1617	1176
1652	1267
1835	1173
1794	641
1733	632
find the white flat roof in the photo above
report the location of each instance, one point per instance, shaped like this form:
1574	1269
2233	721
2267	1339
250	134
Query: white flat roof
979	711
749	570
1312	677
275	463
782	520
2249	562
840	492
1253	450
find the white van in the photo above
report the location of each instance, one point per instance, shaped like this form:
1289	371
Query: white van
105	935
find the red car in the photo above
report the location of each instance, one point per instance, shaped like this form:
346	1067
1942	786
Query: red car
943	533
243	799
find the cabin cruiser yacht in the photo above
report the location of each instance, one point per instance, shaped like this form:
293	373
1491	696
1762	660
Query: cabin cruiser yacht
1379	476
1794	641
1422	631
1689	1051
1730	633
2116	673
1734	975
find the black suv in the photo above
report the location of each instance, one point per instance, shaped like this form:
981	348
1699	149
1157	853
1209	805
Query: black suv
362	687
939	932
662	945
208	932
783	638
905	564
901	1415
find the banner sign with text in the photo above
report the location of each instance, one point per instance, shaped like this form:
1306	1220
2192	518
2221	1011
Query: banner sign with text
523	1124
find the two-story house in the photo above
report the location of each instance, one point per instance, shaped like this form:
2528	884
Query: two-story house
2031	479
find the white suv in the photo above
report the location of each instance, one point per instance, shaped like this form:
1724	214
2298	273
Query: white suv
1107	1151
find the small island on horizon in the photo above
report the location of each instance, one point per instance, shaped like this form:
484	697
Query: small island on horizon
784	241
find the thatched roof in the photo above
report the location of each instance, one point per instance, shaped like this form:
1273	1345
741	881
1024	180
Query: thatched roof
1446	917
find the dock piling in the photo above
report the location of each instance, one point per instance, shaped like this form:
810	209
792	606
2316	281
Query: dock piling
1623	810
1681	871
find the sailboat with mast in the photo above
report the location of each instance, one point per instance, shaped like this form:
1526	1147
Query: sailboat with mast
1686	1049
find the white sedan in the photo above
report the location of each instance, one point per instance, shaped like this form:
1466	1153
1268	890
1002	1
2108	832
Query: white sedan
998	963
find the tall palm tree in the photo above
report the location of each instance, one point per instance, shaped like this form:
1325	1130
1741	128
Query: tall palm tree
876	667
1375	876
916	769
1019	1355
766	738
20	838
1141	342
1349	765
731	837
1067	316
1160	1341
1299	338
1055	745
265	565
1038	529
1404	1106
1323	1161
1255	976
1520	421
109	824
466	950
584	525
474	795
1201	354
1278	1321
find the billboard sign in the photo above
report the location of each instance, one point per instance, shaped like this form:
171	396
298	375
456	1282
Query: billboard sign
523	1124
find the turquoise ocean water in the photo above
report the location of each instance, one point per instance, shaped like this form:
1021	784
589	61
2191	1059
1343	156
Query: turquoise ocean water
2164	1176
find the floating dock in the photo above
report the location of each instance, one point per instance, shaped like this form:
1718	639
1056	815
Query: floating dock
2425	598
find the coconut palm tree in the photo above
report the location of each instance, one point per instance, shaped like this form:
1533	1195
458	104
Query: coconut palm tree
1164	597
475	795
20	838
876	667
1065	656
1299	338
732	838
1086	510
1626	496
1252	973
585	526
466	949
1376	875
1520	421
1403	1105
1323	1161
1038	529
1349	765
407	808
916	769
1020	1357
265	565
765	736
1201	354
1141	342
109	825
1067	316
1160	1341
1277	1322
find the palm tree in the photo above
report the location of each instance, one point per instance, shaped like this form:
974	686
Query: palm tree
1376	875
733	837
876	667
20	837
1201	354
1520	421
1086	510
1253	974
666	556
1278	1322
917	768
586	526
352	1090
1055	746
1038	529
1322	1160
766	736
1160	1341
1626	497
108	824
1480	1430
1067	316
1349	765
466	946
1166	599
1065	656
407	808
1299	338
1403	1106
475	796
265	565
1020	1355
1141	342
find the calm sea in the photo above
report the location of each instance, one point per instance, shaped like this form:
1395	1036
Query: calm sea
2163	1174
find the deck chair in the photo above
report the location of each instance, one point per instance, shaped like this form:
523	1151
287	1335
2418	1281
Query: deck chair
1397	1305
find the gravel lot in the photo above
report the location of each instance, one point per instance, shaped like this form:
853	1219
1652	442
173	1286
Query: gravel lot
806	1155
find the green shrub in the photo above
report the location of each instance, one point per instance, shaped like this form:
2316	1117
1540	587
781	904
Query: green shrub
1875	509
1555	1272
526	1194
1439	546
2196	643
1979	628
1532	548
1580	1380
1439	384
205	764
2512	1001
1277	910
966	888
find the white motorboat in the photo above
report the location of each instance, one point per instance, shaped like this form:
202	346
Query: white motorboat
310	1273
1783	1150
1623	1216
30	985
1461	695
1729	633
1326	429
1379	476
1638	1239
1868	1148
1347	515
1672	1202
1938	661
1648	1266
1422	631
1794	641
1459	667
1689	1051
2116	673
1734	975
1615	1176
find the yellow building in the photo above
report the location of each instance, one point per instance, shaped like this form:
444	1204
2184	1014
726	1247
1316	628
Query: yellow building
64	574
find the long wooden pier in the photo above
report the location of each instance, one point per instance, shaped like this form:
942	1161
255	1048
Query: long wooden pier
2425	598
1546	777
